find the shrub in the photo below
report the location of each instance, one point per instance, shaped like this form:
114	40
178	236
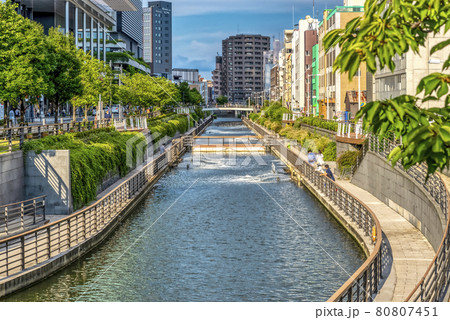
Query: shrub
275	126
322	142
347	159
329	153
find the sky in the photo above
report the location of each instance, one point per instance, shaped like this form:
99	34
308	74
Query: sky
199	26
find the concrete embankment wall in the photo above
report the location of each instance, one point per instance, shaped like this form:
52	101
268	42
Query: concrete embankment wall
48	173
403	194
11	177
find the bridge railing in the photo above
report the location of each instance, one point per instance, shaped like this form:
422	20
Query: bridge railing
363	285
224	140
20	215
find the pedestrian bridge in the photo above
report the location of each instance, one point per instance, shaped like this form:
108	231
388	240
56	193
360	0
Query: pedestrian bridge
229	108
228	144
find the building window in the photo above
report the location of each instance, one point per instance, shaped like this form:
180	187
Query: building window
307	53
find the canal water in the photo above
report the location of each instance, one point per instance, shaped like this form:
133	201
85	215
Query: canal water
216	228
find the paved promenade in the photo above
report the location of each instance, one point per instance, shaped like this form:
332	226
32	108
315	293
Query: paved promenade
411	251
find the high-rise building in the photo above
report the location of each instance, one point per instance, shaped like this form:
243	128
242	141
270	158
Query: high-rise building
158	37
285	71
268	65
129	31
217	78
242	66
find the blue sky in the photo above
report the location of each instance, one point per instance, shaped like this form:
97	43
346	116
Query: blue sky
199	26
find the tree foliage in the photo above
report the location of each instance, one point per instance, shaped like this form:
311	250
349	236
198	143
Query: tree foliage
65	76
24	65
96	81
386	30
221	100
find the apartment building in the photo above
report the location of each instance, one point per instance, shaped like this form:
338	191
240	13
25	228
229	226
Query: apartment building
242	66
217	78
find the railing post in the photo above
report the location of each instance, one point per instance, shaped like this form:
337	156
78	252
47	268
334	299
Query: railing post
34	213
43	207
10	140
21	215
22	137
6	219
22	256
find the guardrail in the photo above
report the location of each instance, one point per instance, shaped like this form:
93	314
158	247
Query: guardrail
19	134
434	185
434	284
20	215
222	140
30	248
364	283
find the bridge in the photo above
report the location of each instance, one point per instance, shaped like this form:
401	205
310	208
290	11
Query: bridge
228	144
229	108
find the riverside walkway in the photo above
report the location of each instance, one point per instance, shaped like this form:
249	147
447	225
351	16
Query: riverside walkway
411	251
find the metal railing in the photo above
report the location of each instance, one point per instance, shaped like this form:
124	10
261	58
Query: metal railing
23	251
20	215
15	137
434	284
434	185
30	248
224	140
291	116
363	285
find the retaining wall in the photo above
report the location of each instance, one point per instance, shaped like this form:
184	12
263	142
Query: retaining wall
48	173
404	195
11	177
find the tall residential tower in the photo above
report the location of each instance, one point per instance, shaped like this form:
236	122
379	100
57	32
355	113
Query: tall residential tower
242	66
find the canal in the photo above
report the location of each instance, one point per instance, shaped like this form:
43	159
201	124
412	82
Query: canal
216	228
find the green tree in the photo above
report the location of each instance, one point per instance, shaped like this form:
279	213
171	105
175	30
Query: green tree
387	29
195	97
24	65
184	92
166	92
96	81
137	90
65	77
221	100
